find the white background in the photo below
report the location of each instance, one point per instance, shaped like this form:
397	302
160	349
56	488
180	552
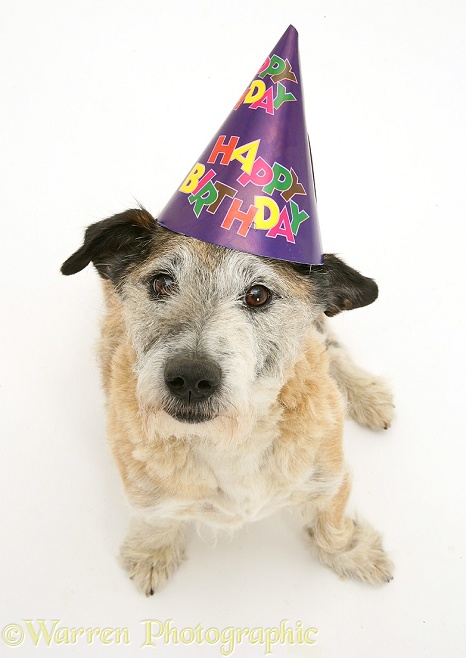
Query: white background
106	102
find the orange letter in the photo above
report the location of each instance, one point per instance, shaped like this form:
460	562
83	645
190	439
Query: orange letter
225	149
246	218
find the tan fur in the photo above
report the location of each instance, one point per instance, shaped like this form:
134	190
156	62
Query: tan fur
222	410
369	399
291	455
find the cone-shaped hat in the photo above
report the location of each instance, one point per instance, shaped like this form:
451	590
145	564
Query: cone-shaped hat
253	187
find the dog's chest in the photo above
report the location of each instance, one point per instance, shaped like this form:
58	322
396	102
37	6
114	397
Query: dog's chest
243	489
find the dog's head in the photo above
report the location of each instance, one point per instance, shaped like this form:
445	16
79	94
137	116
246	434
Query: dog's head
214	330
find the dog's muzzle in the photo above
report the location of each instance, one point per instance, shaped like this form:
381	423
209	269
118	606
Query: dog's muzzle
191	381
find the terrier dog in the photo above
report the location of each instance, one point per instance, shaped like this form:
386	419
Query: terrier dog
226	392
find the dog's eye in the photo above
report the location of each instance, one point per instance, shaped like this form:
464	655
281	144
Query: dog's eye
163	284
257	296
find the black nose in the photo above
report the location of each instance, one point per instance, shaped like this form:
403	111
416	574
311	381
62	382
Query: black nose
192	379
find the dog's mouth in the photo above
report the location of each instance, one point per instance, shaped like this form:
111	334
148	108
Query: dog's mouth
191	417
190	414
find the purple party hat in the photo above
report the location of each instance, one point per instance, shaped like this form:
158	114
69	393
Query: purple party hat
252	189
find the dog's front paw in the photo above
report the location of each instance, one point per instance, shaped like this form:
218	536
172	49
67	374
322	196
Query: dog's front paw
370	403
363	558
150	570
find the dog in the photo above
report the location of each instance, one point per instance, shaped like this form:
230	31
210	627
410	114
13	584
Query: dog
226	393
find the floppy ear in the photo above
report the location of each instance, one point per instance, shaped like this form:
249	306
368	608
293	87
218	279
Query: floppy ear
340	288
114	244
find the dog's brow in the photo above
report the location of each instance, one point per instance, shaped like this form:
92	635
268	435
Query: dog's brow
170	262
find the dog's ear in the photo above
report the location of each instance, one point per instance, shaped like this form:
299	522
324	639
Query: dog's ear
340	288
113	244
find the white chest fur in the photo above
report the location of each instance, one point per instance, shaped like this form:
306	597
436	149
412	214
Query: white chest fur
244	489
241	483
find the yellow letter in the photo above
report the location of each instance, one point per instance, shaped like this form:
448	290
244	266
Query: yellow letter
106	635
256	91
306	638
61	636
248	160
42	632
192	179
122	633
260	222
149	634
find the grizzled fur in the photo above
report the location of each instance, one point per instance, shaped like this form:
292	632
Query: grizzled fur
269	432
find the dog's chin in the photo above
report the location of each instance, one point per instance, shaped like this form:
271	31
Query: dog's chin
218	425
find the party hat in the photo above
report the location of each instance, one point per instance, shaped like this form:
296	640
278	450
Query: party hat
253	189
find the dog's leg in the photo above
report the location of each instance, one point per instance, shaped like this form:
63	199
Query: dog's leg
351	548
369	398
152	551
